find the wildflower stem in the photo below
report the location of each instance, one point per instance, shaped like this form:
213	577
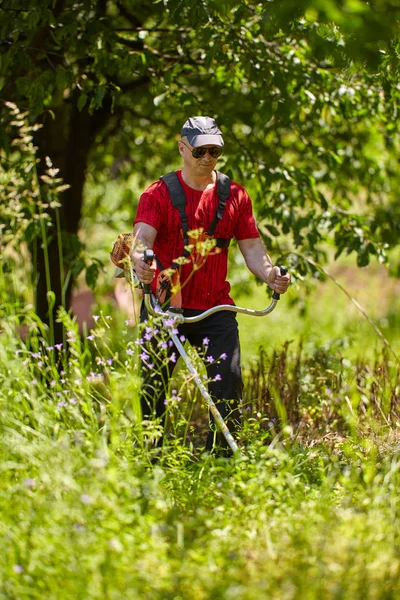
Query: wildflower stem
50	295
61	265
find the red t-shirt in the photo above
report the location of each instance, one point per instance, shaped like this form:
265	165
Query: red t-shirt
207	287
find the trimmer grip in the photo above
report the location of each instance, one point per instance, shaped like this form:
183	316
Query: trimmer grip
283	271
148	258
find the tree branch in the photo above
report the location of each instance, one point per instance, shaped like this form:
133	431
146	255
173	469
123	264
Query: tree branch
155	29
134	44
129	16
134	84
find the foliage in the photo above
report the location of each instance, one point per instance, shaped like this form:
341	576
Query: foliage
30	216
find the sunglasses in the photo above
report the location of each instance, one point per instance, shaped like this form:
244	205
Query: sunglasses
214	151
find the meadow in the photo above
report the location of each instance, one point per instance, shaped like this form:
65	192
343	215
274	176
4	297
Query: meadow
310	509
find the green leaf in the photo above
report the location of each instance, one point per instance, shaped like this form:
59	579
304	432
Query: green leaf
82	101
92	273
273	230
323	201
97	99
78	266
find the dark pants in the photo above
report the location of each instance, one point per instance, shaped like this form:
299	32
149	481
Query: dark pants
226	385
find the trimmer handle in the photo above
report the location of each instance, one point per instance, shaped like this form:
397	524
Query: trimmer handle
283	271
148	258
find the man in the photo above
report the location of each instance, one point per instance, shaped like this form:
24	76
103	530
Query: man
158	225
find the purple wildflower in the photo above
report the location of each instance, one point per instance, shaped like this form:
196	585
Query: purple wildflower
18	569
210	359
173	357
169	322
86	499
90	337
206	341
29	482
224	356
218	377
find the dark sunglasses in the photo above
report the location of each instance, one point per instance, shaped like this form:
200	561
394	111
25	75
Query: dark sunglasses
215	151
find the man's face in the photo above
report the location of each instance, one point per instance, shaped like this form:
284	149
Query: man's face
203	164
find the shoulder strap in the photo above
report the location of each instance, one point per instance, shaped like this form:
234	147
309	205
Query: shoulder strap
178	200
223	192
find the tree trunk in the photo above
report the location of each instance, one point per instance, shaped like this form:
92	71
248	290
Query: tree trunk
66	139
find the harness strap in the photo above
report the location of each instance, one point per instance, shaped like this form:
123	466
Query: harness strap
223	191
178	200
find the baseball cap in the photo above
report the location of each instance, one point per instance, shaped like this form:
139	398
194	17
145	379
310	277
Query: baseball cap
201	131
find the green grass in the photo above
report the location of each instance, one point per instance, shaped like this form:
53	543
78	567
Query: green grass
82	517
309	511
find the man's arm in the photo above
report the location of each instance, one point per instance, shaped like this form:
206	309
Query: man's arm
144	236
259	263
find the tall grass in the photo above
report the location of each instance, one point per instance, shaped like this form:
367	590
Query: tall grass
309	511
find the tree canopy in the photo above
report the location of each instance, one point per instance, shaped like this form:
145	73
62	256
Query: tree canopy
306	93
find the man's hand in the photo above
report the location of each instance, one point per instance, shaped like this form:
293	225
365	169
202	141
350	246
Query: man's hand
279	283
144	272
144	236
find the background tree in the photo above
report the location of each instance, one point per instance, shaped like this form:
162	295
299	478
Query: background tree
306	93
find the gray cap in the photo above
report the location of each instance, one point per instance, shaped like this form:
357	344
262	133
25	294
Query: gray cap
201	131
